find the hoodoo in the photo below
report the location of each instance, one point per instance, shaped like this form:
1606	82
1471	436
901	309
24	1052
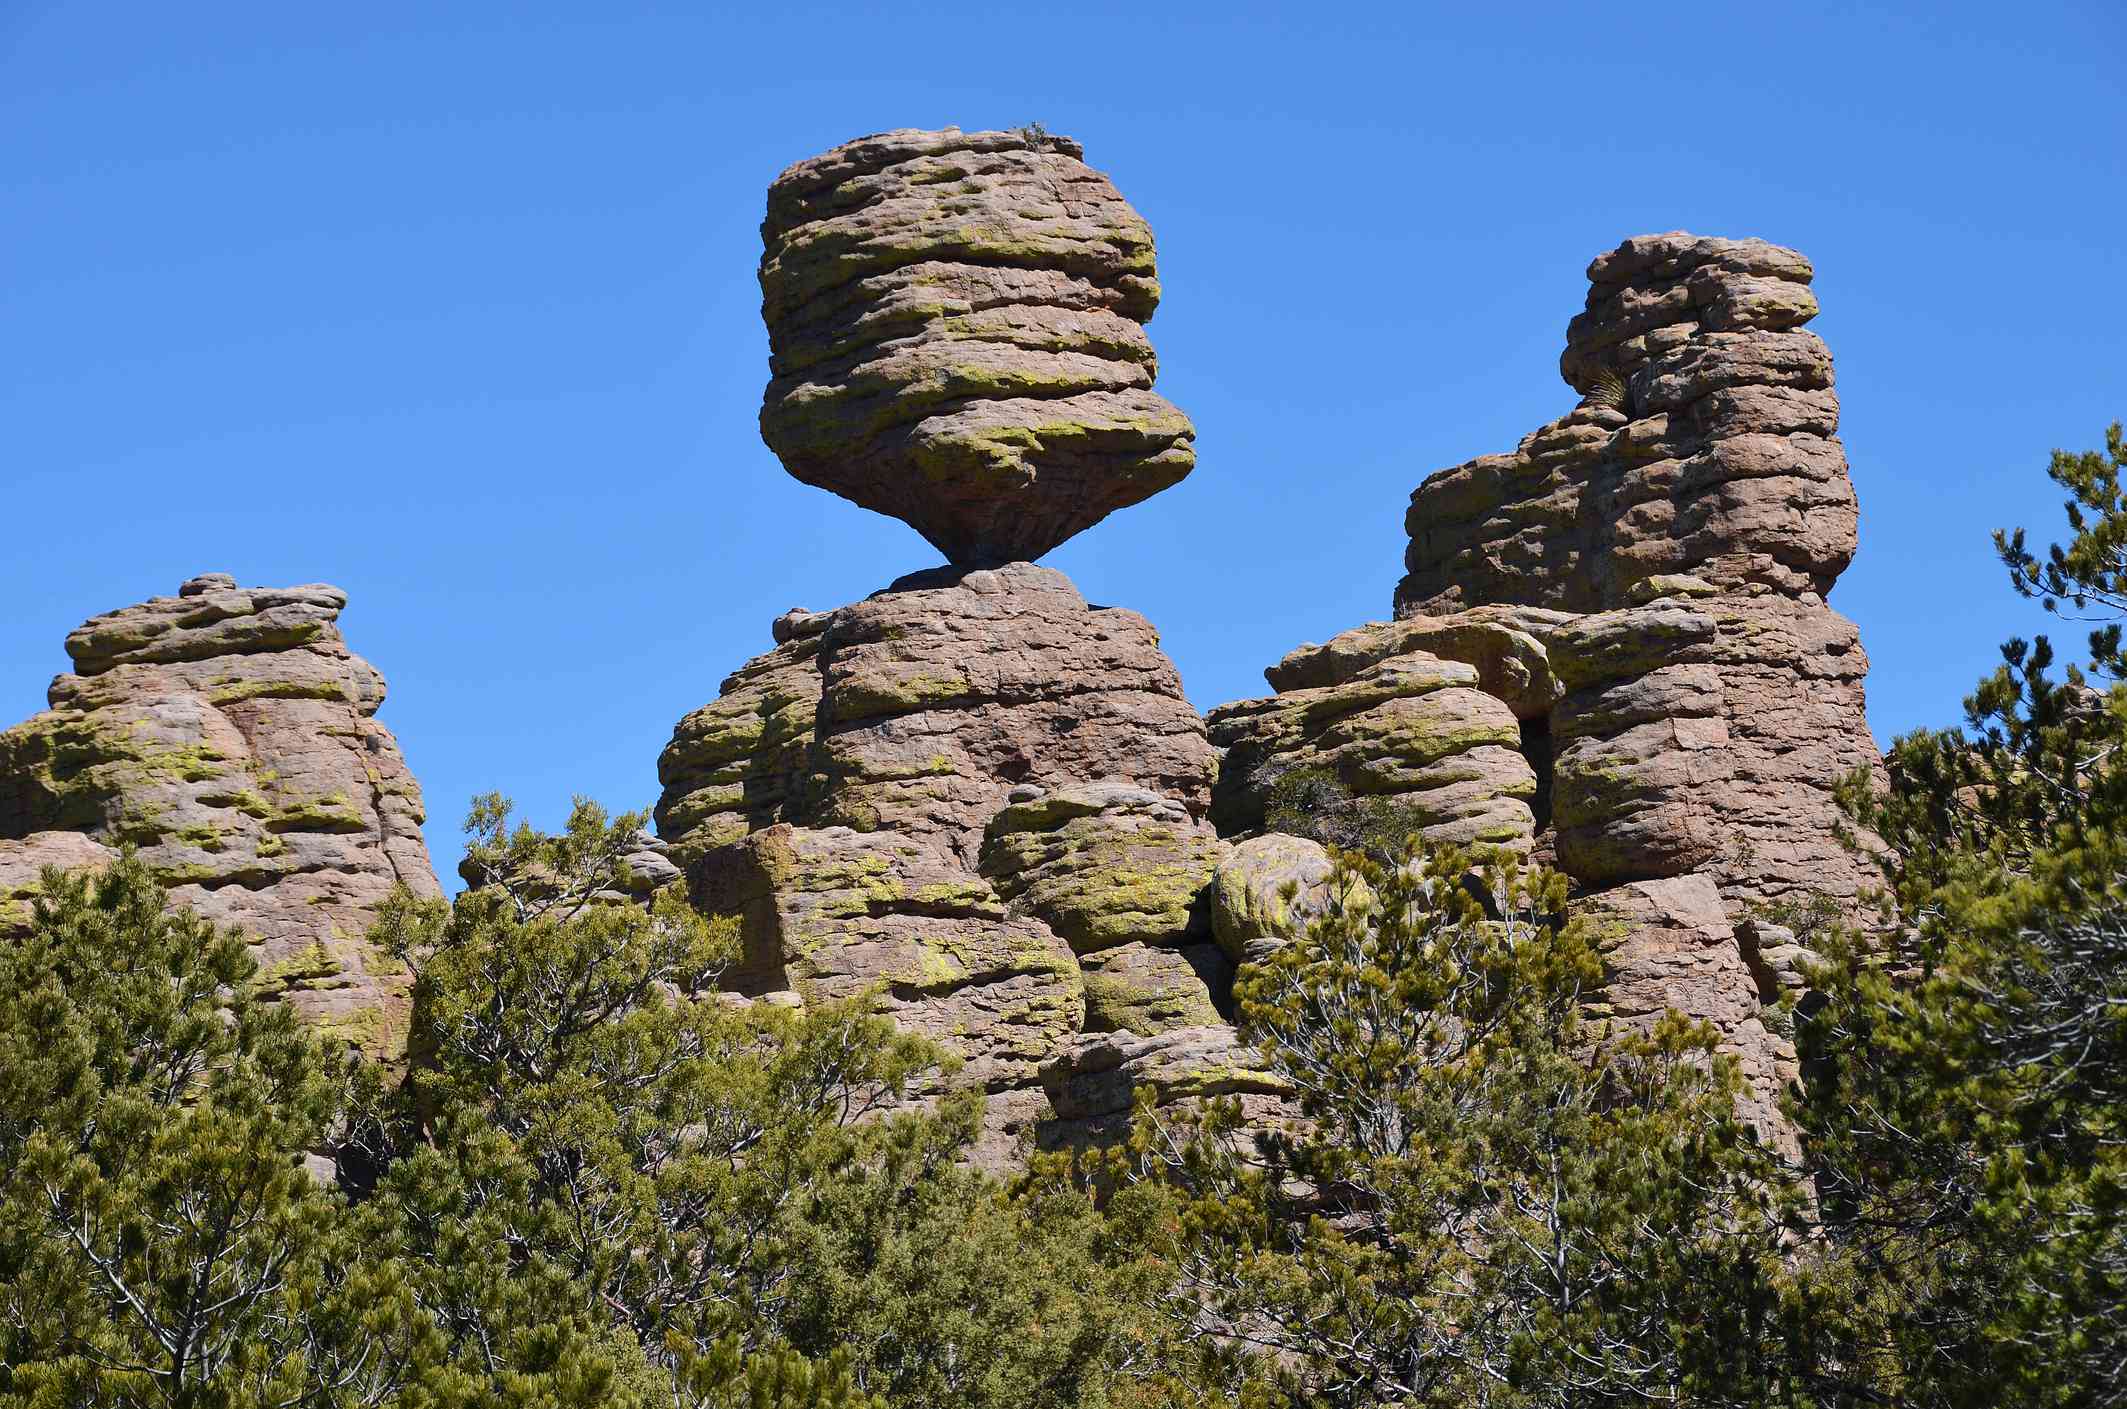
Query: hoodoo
229	735
1633	601
971	792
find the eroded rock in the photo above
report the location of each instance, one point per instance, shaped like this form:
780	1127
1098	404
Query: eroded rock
1693	511
229	735
919	709
956	334
1407	744
1671	944
1640	585
828	913
1092	1084
1251	913
976	795
1121	874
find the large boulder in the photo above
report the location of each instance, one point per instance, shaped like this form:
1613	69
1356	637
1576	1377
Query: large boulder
955	324
1266	892
229	735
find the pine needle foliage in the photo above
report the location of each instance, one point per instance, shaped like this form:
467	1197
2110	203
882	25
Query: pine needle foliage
1491	1199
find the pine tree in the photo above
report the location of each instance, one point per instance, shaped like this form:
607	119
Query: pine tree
1969	1116
161	1242
1490	1201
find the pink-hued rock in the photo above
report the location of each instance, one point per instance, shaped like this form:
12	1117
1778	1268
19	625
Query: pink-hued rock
1671	944
22	863
229	735
1641	585
955	325
976	794
1694	510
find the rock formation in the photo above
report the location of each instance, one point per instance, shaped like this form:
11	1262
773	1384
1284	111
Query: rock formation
985	804
978	796
1692	511
955	322
971	794
228	735
1637	593
988	801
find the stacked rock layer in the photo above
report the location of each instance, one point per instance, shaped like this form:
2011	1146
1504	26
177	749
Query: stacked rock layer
228	734
986	802
956	330
1638	592
989	803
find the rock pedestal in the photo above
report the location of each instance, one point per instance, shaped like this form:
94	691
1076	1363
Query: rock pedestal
229	735
980	798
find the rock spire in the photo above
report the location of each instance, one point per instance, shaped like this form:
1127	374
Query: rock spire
1636	591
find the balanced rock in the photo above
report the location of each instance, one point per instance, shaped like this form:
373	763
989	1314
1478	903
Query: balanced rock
956	336
228	734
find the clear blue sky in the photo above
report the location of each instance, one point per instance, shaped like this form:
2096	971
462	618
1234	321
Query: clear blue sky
460	312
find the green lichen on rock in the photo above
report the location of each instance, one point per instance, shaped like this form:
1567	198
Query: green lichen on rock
173	736
1103	866
955	325
1146	989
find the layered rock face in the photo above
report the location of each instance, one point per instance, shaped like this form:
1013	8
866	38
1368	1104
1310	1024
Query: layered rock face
919	710
985	800
956	325
1393	729
971	795
229	735
1632	602
1695	508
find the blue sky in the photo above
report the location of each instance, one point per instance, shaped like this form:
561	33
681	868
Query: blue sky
460	313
